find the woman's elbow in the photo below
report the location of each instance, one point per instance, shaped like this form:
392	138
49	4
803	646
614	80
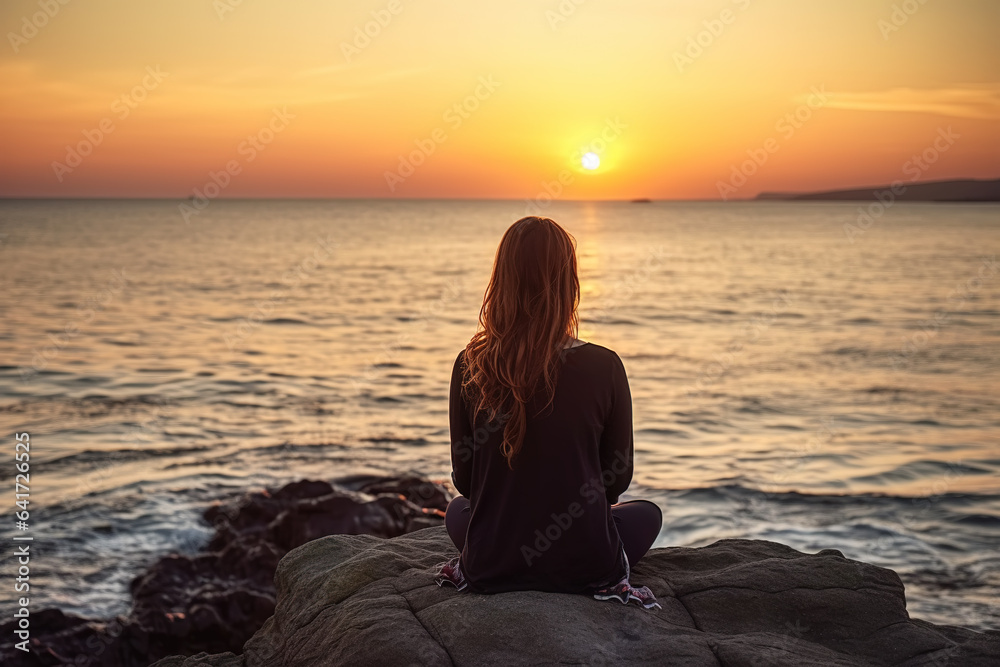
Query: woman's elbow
461	485
613	493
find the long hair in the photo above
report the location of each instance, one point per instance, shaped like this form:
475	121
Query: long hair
529	311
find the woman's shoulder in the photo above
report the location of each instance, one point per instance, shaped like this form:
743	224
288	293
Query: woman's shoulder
594	348
593	352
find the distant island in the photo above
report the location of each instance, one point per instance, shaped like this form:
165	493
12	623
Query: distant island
963	190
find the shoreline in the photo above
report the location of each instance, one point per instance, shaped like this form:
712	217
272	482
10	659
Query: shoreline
214	600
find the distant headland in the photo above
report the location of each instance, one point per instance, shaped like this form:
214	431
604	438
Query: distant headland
963	190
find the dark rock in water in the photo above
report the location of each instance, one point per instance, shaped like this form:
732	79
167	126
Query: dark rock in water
416	490
216	600
361	600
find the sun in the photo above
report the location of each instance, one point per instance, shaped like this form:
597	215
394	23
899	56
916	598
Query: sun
590	161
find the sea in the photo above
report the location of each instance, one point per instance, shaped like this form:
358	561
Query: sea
825	375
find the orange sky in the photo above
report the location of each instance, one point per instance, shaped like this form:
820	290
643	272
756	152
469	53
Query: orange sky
124	98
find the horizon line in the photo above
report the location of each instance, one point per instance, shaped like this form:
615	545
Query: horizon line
782	195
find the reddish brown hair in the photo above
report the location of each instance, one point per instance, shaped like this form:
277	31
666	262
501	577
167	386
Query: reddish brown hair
528	315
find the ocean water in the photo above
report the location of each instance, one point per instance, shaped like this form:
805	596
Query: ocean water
791	380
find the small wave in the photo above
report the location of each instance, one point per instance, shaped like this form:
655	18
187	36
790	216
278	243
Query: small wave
984	520
675	317
245	384
104	399
663	431
756	406
729	492
786	427
90	379
52	373
616	322
925	469
653	356
253	406
91	457
299	447
850	351
924	323
399	441
287	320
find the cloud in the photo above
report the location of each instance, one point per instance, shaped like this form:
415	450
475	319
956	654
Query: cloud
980	101
30	92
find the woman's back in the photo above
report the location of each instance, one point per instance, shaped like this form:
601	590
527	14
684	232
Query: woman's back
547	524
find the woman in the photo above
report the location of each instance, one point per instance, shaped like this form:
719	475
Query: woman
541	433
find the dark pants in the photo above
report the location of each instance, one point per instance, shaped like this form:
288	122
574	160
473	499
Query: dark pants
638	523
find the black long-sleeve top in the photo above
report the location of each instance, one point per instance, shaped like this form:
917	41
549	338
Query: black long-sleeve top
546	525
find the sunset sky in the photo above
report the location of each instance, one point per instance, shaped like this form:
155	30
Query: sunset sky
112	98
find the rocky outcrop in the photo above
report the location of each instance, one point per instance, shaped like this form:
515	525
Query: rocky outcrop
362	600
216	600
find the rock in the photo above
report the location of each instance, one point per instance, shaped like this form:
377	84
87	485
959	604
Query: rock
363	600
214	602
